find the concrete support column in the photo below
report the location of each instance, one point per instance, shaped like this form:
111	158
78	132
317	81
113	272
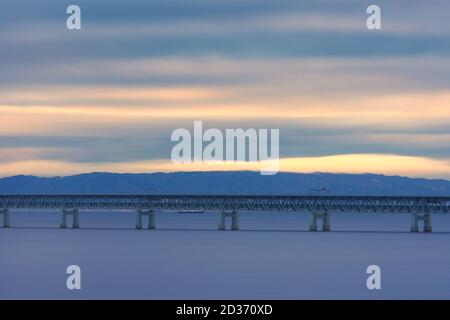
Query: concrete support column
313	222
326	225
427	223
426	218
414	223
138	219
75	218
222	225
5	213
151	218
63	223
234	220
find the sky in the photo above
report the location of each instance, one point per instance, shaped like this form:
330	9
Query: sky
107	97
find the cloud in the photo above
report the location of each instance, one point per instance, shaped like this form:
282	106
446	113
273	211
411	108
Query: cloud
60	95
310	125
108	97
324	76
349	163
235	29
402	108
234	18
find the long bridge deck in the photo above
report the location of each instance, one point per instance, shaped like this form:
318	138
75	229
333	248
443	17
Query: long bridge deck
319	206
386	204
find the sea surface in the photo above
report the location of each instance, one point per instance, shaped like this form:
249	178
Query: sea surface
272	256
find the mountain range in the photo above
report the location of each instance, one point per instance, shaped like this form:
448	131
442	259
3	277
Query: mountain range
236	182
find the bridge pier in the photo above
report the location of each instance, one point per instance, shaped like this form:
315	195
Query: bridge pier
5	213
75	218
234	220
426	218
326	226
151	218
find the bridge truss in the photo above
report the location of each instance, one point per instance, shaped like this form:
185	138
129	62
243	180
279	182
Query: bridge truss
331	204
320	207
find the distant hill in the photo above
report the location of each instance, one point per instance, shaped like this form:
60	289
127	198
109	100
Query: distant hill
241	182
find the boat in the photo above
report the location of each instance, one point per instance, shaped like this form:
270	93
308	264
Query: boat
191	211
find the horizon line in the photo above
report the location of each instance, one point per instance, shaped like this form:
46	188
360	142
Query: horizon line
221	171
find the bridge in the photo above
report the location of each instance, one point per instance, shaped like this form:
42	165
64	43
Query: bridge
228	206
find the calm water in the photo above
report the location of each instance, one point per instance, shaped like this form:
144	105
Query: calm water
272	256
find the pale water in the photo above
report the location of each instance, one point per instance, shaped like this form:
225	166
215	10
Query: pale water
273	256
